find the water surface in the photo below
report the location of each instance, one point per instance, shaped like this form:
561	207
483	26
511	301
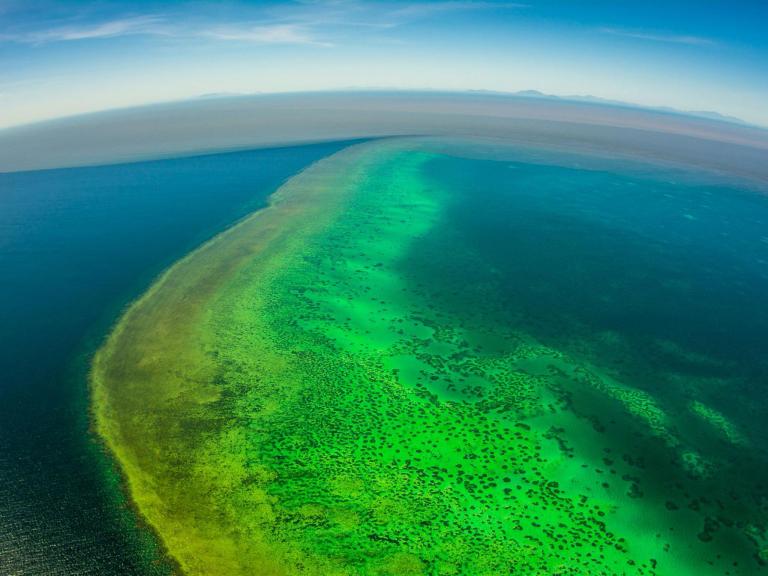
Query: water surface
457	357
75	246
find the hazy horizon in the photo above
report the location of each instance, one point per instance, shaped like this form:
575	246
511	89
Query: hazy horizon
530	93
59	60
215	124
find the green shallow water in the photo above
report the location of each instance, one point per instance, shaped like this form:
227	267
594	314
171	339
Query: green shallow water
432	358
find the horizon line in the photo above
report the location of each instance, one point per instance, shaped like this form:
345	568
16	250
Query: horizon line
532	94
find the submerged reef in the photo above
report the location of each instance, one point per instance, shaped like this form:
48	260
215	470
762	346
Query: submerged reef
337	386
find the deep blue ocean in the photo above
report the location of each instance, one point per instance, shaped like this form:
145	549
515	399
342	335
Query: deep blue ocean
76	245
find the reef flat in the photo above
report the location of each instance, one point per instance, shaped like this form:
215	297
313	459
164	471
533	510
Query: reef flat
414	361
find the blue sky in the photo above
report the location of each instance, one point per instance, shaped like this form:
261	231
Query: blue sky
67	57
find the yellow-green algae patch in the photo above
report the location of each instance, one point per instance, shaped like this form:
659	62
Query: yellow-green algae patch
155	388
288	400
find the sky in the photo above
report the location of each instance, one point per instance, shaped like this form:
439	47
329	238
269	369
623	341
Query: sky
65	57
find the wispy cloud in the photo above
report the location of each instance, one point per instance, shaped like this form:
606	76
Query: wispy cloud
380	13
660	37
265	34
310	22
426	9
276	33
107	29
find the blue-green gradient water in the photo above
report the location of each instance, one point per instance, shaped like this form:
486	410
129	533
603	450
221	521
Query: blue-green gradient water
651	280
75	246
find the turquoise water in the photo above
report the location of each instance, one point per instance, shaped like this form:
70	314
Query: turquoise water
75	246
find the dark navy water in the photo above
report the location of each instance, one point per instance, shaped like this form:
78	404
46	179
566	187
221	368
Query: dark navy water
76	245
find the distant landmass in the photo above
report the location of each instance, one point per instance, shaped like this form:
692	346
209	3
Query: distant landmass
586	98
597	100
